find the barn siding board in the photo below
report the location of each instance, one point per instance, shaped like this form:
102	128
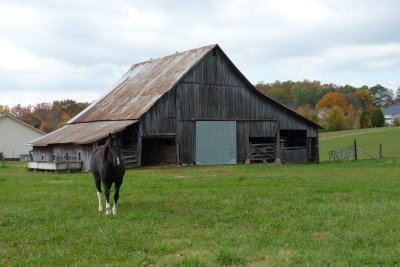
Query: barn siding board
242	135
187	139
161	118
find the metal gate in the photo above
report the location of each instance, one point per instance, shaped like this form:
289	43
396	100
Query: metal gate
215	142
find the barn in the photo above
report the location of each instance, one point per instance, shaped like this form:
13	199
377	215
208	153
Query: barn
14	134
192	107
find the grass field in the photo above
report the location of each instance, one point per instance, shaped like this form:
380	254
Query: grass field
326	214
367	139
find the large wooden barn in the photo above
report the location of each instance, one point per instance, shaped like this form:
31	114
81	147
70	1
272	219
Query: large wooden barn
193	107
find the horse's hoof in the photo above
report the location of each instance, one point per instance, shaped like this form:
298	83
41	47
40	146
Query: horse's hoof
114	212
100	209
108	212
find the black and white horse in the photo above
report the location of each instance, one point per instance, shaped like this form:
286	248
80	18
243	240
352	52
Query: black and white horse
108	167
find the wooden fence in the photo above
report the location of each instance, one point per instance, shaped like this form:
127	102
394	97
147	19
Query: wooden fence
262	152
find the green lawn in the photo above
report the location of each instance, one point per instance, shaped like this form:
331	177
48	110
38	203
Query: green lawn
367	140
326	214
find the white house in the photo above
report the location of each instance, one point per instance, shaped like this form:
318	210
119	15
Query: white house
14	134
391	113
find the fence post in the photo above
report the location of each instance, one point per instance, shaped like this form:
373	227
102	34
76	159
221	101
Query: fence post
355	149
380	151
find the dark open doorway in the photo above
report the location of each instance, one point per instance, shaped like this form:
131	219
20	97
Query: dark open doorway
294	146
158	151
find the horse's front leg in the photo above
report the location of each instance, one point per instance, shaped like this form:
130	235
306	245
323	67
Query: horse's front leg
99	194
116	196
107	193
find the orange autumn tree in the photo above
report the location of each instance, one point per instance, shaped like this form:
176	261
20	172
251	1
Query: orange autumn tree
365	97
333	111
329	100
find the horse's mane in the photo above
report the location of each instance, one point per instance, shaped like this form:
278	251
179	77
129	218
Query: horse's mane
103	150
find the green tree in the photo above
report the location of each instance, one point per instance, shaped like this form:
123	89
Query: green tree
336	120
383	96
365	119
365	97
279	91
398	95
4	109
377	117
307	93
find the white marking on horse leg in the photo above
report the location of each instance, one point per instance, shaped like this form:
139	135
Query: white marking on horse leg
99	195
118	161
114	209
108	208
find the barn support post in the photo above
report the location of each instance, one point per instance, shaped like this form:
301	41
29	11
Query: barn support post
139	145
380	151
278	144
177	151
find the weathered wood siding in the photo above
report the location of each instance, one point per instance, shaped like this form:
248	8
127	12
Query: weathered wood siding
215	90
161	118
75	153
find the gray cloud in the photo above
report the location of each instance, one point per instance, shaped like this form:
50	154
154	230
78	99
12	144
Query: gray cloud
87	45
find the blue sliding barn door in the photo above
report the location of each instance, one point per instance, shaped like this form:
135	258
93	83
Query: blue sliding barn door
215	142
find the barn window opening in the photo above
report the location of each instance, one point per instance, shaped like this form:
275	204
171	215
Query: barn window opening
158	151
293	138
79	156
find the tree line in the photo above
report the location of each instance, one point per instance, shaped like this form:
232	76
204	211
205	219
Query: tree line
333	106
46	117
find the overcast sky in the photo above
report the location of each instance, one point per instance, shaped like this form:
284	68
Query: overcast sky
54	50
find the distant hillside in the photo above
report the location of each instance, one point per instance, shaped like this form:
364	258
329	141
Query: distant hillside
367	139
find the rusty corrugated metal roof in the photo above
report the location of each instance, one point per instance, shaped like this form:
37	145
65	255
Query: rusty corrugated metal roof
82	133
142	86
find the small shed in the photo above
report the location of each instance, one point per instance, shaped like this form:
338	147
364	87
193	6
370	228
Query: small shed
14	134
193	107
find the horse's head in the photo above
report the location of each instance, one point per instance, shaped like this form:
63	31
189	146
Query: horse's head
113	154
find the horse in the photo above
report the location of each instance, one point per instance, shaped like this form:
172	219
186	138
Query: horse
108	167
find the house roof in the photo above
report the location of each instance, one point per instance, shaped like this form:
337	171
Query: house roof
392	110
82	133
21	122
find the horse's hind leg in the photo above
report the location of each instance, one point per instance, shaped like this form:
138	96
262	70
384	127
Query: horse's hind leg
99	194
